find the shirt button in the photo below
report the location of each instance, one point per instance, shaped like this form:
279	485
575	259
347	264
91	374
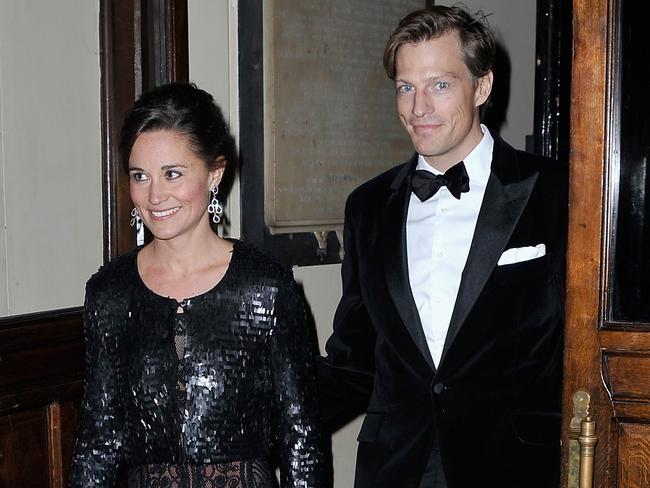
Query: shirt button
443	210
439	254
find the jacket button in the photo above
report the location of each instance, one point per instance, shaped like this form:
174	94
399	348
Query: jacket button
438	388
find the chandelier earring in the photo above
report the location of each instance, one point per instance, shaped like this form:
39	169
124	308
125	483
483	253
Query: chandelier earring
215	207
135	218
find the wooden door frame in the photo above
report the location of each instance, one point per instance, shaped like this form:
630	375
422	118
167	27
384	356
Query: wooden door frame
591	102
133	60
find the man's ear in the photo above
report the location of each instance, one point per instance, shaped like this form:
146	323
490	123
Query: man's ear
483	89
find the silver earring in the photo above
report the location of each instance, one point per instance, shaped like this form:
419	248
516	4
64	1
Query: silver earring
135	218
215	207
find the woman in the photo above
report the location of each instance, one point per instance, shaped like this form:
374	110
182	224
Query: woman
198	358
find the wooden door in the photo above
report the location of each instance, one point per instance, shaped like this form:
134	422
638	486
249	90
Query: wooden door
607	350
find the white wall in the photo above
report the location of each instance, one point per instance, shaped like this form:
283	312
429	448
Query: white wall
50	153
514	24
213	67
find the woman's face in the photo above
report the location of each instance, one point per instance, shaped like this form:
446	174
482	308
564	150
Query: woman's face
169	184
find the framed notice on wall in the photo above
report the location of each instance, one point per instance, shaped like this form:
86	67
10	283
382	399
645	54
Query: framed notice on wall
318	117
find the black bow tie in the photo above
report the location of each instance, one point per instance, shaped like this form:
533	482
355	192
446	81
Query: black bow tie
425	184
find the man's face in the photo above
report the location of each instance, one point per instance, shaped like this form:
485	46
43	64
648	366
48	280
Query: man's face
437	100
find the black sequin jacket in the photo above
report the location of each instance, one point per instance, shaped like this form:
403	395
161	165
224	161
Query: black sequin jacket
250	384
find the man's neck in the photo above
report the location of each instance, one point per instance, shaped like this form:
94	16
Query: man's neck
444	162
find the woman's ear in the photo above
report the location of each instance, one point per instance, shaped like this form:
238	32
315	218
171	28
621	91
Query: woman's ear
217	172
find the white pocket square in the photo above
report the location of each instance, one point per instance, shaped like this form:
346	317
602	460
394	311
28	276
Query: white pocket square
519	254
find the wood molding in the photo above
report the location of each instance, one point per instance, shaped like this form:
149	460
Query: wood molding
54	444
177	47
121	81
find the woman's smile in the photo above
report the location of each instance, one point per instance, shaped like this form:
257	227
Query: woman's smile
163	214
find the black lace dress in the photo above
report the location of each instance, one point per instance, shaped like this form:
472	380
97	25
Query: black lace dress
202	393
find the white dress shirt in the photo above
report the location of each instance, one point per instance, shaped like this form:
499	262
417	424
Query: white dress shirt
439	233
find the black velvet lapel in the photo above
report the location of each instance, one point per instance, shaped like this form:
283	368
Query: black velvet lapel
395	257
506	195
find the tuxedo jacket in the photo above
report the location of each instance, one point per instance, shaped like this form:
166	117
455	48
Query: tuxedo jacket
492	404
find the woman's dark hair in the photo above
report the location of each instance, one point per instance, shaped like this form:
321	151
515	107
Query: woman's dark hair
476	39
187	110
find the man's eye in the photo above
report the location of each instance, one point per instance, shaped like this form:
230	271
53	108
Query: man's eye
402	89
441	85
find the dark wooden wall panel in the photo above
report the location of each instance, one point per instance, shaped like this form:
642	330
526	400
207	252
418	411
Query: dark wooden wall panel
41	374
69	424
634	446
627	375
37	357
6	457
27	450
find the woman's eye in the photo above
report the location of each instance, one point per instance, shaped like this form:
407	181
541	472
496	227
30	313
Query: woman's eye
172	174
139	177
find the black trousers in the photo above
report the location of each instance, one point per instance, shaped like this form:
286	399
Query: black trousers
433	475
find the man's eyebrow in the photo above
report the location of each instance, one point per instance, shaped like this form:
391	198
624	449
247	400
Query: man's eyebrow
446	74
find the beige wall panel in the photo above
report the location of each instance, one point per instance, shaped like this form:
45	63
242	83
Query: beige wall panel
3	230
213	67
51	158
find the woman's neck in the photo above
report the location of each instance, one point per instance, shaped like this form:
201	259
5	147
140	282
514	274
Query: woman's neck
183	270
182	256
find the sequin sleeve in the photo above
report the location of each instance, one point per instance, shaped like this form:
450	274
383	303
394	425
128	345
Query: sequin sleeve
296	419
97	450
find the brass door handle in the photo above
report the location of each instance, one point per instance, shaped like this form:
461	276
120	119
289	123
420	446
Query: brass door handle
587	440
582	442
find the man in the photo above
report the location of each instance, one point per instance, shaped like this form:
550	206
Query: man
449	330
